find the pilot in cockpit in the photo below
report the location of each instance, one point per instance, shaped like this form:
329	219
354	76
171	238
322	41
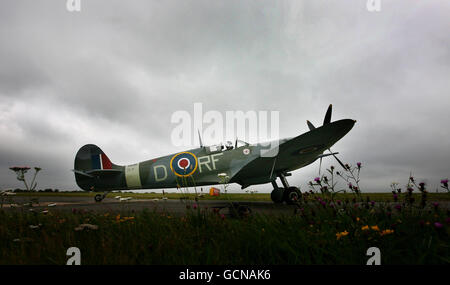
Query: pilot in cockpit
229	145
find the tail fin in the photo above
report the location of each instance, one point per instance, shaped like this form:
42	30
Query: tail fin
91	163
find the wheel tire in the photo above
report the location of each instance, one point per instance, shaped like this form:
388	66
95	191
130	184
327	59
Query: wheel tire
292	195
277	195
98	198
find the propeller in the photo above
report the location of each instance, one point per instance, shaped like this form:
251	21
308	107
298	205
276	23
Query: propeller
326	120
338	160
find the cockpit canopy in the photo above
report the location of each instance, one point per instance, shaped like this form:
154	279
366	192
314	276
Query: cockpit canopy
228	146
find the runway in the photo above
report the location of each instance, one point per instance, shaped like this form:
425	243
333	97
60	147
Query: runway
61	203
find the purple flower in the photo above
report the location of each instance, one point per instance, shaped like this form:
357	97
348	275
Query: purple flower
444	181
438	225
317	179
395	197
194	206
372	203
358	164
398	207
338	202
410	189
421	186
435	205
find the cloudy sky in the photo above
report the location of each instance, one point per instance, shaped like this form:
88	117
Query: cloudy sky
114	73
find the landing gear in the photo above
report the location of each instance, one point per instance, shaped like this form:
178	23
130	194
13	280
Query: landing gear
100	197
277	195
292	195
288	194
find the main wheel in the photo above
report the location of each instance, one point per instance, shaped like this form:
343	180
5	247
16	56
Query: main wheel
277	195
98	198
292	195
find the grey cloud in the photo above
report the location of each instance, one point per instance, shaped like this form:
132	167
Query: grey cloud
115	72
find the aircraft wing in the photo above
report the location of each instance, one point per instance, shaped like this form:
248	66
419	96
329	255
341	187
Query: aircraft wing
292	154
98	172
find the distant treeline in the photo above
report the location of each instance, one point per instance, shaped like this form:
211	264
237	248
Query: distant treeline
17	190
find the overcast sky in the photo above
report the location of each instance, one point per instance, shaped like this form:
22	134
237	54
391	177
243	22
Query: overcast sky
114	73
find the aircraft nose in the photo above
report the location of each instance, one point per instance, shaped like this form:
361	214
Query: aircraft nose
341	128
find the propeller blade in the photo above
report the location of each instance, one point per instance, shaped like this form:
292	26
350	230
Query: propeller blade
340	162
327	119
310	125
320	165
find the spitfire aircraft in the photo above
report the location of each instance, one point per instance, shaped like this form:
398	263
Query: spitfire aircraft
242	163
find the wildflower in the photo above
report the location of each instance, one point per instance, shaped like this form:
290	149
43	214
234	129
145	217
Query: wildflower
372	203
194	206
422	186
395	197
410	190
222	216
86	226
365	228
386	232
347	166
375	228
341	234
317	179
411	179
398	207
438	225
350	186
444	182
435	205
338	202
358	164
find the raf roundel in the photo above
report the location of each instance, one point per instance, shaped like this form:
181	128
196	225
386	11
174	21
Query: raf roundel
183	164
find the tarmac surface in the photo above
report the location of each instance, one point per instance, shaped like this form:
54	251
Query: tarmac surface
173	206
110	204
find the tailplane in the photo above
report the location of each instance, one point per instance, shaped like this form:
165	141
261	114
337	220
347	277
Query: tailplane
94	170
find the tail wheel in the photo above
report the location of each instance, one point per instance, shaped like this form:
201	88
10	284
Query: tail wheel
292	195
277	195
98	198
